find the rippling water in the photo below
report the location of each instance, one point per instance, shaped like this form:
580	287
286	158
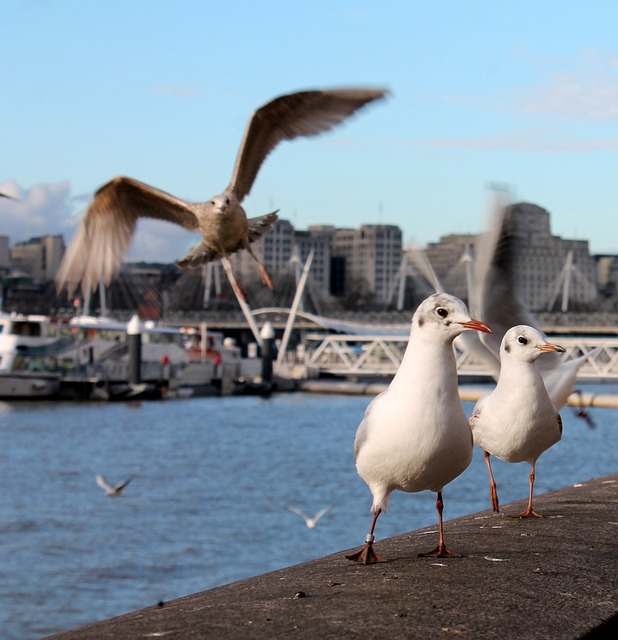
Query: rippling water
207	505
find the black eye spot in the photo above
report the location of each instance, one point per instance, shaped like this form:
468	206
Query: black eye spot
442	312
507	348
522	340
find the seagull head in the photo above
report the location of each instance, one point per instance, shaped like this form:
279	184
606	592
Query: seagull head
526	343
447	316
220	204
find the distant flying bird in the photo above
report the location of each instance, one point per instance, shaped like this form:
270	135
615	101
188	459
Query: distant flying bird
415	435
494	299
518	421
98	246
111	490
310	522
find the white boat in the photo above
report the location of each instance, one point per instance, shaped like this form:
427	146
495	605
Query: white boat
28	368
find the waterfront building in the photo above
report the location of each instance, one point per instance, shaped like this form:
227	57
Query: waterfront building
552	273
38	257
5	260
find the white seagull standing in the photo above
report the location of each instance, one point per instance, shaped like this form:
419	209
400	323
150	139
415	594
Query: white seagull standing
310	522
415	435
98	246
112	491
517	421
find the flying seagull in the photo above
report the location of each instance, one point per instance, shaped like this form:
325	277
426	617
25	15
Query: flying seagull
415	435
98	246
494	298
111	490
517	421
310	522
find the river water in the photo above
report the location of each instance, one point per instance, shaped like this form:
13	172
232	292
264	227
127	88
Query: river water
212	478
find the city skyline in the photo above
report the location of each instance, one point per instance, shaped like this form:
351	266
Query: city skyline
483	94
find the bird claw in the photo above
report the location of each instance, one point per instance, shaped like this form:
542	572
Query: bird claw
528	513
440	552
366	555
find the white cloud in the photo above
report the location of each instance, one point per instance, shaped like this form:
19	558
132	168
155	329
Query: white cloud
51	209
43	209
568	94
585	87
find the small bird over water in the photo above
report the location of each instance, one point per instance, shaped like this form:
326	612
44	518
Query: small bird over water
98	246
517	421
310	522
415	435
112	491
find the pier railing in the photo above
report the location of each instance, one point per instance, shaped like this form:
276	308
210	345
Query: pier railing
353	355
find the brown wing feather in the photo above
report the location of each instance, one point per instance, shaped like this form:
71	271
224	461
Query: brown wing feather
306	113
100	243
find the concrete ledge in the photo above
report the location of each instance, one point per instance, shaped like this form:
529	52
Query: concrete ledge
550	578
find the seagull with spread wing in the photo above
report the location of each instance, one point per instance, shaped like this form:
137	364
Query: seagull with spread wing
98	246
112	491
309	521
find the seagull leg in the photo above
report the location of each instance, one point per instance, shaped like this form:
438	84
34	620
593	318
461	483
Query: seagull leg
367	555
227	265
440	551
263	271
528	512
493	493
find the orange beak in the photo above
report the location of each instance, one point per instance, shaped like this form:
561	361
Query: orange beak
477	325
548	346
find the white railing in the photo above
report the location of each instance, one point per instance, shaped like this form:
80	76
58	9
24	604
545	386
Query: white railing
348	355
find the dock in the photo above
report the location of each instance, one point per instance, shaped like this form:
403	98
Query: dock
467	393
555	577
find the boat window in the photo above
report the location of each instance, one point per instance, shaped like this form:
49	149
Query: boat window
26	329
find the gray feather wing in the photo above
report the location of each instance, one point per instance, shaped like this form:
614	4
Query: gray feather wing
100	243
302	114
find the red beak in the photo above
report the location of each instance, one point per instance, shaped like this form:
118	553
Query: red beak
477	325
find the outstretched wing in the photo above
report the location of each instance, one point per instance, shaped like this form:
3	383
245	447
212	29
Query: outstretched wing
302	514
100	243
306	113
321	512
103	484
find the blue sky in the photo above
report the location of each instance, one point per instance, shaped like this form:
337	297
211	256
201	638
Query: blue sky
521	94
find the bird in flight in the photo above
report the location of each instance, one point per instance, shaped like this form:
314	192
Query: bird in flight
111	490
100	243
310	522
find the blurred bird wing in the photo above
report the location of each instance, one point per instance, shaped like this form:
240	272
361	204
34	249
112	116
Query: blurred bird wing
121	485
494	299
260	225
101	241
306	113
321	512
559	379
103	484
302	514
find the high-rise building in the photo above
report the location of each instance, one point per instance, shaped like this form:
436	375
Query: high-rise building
551	272
39	257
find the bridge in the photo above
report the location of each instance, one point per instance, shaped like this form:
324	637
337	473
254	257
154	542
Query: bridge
380	355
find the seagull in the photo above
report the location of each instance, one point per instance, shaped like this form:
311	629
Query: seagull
310	522
494	299
98	246
518	420
415	435
112	491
